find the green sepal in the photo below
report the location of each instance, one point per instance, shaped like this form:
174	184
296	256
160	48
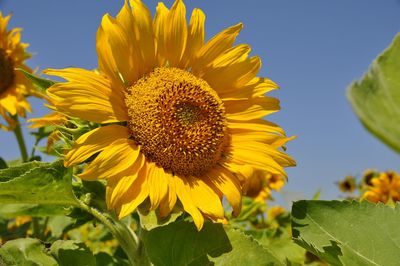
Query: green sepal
41	83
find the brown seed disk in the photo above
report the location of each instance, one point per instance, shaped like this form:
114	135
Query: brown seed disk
178	120
7	75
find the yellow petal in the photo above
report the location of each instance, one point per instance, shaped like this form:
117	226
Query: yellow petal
266	150
114	159
266	143
242	171
160	32
135	195
169	201
50	119
234	75
228	184
257	125
204	197
86	95
254	88
94	141
176	33
144	36
10	121
244	110
138	31
107	64
187	202
233	55
255	158
122	49
214	48
280	142
195	37
158	184
9	102
120	184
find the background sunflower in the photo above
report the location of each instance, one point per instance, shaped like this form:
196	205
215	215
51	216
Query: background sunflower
13	85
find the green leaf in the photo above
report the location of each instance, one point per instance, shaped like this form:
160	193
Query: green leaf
26	252
70	252
376	97
179	243
246	251
105	259
14	162
151	220
37	183
41	83
35	210
280	244
58	225
3	164
348	233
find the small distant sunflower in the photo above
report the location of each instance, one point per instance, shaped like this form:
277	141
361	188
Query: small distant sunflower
180	118
383	188
348	185
259	185
13	85
274	212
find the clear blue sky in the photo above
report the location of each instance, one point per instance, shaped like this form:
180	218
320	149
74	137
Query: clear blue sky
313	49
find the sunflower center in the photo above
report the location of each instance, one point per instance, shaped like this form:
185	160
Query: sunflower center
178	120
6	71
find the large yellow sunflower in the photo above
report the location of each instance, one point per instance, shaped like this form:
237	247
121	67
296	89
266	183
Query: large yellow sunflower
181	119
13	85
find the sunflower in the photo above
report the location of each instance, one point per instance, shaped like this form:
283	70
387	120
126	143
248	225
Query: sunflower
385	187
348	185
260	184
180	119
13	85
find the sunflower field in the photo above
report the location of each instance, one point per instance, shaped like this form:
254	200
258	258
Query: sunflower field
171	147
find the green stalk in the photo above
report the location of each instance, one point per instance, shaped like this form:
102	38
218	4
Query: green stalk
128	240
36	228
20	139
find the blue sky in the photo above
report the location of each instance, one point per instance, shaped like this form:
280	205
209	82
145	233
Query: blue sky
313	49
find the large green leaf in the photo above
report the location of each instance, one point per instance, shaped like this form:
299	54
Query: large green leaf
376	97
179	243
26	252
348	233
37	183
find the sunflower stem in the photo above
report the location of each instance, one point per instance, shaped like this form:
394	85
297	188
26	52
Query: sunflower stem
128	240
20	140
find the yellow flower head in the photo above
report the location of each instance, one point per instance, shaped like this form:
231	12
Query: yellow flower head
348	184
180	118
383	188
13	85
274	212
